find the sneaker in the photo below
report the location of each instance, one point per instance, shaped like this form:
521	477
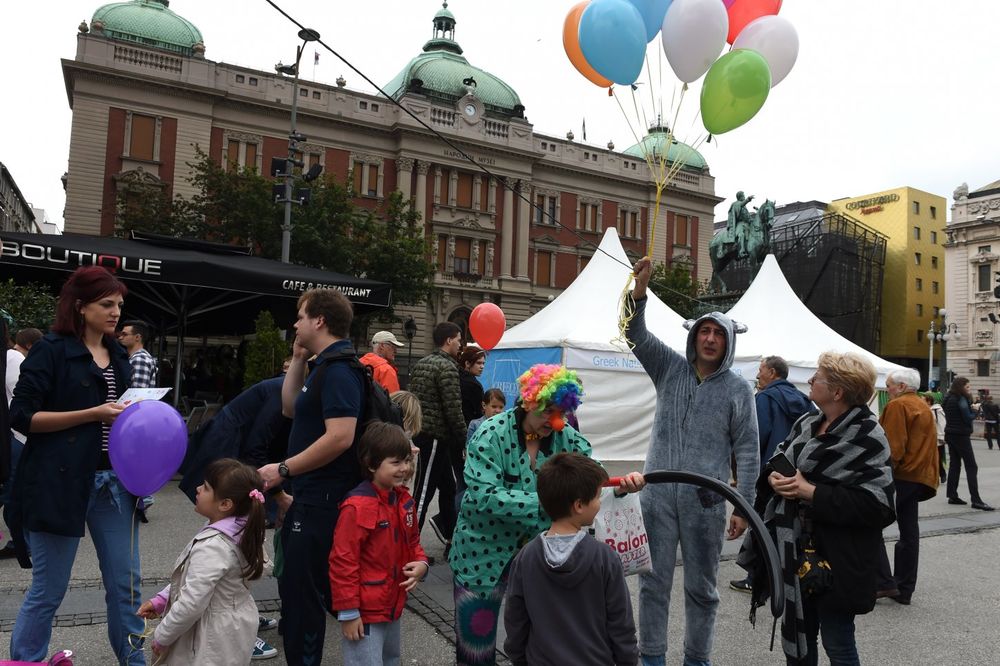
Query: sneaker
741	585
148	502
437	530
263	650
266	623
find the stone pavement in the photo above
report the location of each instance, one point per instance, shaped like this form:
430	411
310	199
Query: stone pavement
953	618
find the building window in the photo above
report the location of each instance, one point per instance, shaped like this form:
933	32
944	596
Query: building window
552	147
552	219
934	290
920	335
463	255
984	249
588	217
143	137
934	237
372	180
586	155
316	94
358	173
916	258
920	284
463	197
240	78
481	263
681	230
933	212
983	275
253	80
916	233
920	310
983	368
545	145
303	92
442	257
916	208
374	106
363	105
934	262
543	269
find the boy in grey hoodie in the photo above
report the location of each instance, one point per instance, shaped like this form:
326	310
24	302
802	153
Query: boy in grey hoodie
567	602
704	415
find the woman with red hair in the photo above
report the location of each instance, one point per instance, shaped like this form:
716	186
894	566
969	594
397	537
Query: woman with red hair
65	403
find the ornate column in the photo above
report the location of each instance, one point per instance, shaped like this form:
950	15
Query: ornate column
492	194
477	192
421	197
437	186
523	218
507	233
453	187
404	176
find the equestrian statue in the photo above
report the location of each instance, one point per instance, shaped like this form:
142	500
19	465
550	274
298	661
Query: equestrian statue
747	236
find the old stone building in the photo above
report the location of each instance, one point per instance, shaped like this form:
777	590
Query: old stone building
144	96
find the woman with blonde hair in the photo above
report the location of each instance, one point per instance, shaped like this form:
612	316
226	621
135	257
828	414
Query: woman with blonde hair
413	418
826	511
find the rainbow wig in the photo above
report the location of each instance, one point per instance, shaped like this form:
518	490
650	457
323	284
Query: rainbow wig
551	386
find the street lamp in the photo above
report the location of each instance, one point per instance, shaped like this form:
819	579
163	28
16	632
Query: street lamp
410	331
943	333
294	138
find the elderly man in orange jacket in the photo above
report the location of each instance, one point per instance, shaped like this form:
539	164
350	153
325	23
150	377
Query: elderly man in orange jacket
909	426
380	359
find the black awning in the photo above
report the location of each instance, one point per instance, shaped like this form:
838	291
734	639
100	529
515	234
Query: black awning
168	264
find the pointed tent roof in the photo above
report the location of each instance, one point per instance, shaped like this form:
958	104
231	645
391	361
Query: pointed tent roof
585	315
780	324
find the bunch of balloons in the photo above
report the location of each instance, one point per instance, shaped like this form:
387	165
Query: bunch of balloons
606	42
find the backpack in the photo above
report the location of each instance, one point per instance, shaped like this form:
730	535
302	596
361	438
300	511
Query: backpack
378	406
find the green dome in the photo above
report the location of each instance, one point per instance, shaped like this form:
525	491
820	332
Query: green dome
442	71
652	144
148	22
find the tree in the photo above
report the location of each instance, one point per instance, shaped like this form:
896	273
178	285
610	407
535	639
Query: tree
674	286
266	353
31	305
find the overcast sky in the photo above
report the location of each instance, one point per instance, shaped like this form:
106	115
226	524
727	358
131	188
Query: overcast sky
885	93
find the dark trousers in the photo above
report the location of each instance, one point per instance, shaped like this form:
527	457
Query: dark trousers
960	453
991	434
941	462
437	474
16	448
304	586
907	551
837	630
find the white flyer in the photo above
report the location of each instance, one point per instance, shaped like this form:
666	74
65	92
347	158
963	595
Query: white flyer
140	394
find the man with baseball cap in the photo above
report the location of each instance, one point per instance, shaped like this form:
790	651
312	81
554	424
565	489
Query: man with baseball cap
380	359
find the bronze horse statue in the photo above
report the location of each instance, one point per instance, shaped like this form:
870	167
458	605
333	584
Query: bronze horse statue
753	243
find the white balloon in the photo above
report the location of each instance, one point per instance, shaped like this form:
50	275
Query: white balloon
694	33
774	38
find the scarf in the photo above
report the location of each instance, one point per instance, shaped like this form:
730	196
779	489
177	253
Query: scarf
853	452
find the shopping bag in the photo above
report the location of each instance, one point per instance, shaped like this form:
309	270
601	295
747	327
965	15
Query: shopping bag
619	524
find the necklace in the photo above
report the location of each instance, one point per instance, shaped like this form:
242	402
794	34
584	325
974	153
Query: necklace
531	437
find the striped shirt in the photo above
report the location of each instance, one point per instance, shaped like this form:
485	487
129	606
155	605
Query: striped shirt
112	396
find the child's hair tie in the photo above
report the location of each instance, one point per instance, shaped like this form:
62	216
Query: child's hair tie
257	495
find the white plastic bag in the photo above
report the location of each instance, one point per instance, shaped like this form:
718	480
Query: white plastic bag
619	524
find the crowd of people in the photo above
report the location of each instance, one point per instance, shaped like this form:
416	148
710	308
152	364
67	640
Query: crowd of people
516	485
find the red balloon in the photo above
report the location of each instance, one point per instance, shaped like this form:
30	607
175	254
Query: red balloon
742	12
487	324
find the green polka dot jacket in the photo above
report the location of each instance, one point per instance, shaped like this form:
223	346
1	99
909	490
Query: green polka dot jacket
500	511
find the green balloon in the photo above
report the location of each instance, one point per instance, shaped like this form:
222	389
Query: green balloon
735	89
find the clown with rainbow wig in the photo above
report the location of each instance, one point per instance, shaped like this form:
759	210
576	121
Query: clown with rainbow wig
500	511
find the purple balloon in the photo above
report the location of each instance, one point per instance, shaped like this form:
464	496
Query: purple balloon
147	444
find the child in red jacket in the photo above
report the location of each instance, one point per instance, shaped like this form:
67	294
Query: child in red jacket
376	556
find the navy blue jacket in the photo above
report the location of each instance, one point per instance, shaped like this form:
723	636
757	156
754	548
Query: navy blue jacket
245	429
779	406
56	472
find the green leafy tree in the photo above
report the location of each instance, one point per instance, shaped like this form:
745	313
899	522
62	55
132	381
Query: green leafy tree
266	352
31	305
674	285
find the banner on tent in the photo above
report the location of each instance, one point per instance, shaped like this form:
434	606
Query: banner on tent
589	359
504	366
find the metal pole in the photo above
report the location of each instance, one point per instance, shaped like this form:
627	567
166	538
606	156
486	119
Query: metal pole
930	355
286	227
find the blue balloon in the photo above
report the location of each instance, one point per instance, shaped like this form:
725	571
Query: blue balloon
653	13
613	39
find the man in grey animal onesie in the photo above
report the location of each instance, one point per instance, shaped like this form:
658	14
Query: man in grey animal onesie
704	415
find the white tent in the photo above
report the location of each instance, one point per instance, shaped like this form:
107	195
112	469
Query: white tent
779	324
580	330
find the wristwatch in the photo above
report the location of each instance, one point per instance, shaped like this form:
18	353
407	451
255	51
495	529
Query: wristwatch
283	471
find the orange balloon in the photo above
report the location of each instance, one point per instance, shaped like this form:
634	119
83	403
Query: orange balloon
571	43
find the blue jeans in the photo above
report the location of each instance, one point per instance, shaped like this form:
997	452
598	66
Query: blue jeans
113	526
837	631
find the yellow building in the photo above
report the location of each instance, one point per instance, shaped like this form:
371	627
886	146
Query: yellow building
913	290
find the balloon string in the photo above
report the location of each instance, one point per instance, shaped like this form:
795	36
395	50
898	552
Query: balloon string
147	630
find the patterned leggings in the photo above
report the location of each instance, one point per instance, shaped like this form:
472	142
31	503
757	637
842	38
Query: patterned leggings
476	620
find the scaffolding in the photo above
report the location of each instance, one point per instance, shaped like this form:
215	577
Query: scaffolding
835	265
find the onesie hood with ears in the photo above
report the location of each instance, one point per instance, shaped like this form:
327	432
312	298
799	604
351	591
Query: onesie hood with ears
728	325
